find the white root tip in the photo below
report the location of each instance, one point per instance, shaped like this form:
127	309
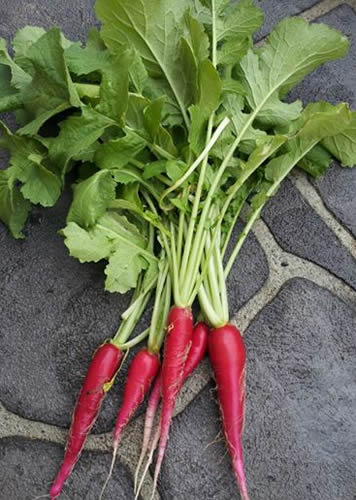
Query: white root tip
114	455
139	464
149	461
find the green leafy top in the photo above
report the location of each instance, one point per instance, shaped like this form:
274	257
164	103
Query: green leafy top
171	100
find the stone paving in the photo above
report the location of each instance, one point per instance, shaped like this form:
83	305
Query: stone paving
293	293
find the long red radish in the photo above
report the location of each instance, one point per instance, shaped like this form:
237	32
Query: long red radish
196	354
101	372
198	349
143	369
152	406
228	357
176	349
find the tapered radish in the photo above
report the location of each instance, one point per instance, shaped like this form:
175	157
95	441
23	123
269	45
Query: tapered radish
196	354
152	406
142	371
101	372
176	349
228	358
198	349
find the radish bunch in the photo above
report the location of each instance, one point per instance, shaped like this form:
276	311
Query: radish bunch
174	126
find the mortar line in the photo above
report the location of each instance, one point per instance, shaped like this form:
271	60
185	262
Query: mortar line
279	275
322	8
313	198
318	10
39	431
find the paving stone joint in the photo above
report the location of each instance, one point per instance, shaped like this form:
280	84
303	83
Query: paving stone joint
293	294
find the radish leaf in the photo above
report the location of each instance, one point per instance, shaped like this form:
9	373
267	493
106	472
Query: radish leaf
91	198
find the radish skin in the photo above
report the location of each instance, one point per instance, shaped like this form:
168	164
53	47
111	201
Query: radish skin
142	371
176	349
228	358
198	349
152	406
196	354
101	371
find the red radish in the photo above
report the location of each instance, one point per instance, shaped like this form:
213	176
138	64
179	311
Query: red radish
101	372
176	349
196	354
197	350
142	371
152	406
228	358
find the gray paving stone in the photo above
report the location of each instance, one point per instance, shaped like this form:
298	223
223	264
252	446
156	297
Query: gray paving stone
336	82
249	272
54	310
298	229
54	313
338	191
27	469
74	18
300	428
276	10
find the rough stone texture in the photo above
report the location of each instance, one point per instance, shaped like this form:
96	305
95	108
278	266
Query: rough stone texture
54	313
276	10
336	82
28	467
337	189
300	435
300	427
74	18
333	82
298	229
248	274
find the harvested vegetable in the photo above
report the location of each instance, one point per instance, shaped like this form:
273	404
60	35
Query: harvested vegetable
197	352
172	123
101	372
228	358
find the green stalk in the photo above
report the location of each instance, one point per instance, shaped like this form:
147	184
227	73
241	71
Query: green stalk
207	308
201	158
157	303
195	210
257	212
212	279
128	325
231	228
161	309
181	225
165	311
131	343
218	258
125	315
175	270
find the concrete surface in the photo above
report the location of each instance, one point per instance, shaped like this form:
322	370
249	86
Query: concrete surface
292	293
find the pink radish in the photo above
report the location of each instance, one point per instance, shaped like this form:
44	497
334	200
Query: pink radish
196	354
176	349
228	358
102	369
142	371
